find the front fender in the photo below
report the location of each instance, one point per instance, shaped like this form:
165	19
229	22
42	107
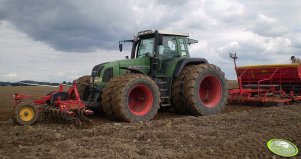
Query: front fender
135	69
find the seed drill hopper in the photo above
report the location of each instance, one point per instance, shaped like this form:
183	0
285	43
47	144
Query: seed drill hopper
264	85
61	106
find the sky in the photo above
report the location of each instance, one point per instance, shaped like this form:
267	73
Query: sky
57	40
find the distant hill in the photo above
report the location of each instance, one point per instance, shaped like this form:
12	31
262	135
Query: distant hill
30	83
5	83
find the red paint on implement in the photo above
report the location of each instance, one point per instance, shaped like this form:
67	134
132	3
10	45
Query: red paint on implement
266	84
64	105
140	100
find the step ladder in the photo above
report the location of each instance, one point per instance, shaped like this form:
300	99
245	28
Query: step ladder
163	88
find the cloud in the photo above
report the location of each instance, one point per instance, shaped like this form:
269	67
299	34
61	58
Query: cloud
74	25
296	40
39	39
267	26
69	25
32	60
257	49
225	10
11	76
230	47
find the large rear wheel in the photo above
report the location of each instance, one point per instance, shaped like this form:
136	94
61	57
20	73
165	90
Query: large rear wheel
134	98
200	90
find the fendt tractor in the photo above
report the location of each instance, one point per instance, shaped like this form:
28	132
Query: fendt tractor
159	73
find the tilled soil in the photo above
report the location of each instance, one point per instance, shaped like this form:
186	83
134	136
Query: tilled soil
238	132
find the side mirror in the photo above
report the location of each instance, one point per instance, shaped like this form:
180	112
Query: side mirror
160	40
191	41
120	47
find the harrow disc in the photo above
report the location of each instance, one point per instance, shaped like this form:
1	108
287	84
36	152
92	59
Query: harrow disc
76	118
86	123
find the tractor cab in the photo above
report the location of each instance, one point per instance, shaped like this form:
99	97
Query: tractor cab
163	48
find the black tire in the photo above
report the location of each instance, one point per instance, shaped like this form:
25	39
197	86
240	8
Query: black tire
132	98
107	97
83	85
25	114
202	90
177	100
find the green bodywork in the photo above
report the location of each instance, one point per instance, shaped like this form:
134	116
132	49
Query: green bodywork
159	55
119	68
143	64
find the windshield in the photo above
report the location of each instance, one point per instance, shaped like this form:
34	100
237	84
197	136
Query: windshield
145	46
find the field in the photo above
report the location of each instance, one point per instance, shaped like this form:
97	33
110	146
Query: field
238	132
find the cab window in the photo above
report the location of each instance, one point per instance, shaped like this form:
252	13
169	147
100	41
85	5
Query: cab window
183	46
168	49
145	46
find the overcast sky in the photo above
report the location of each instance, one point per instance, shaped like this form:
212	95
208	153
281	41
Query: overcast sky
57	40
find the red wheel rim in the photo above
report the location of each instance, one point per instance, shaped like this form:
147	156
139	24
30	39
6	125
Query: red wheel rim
140	100
210	91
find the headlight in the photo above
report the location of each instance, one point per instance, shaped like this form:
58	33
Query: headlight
96	80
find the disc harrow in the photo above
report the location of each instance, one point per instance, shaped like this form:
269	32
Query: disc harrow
58	106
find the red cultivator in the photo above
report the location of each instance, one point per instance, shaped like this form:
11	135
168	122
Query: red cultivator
266	84
58	105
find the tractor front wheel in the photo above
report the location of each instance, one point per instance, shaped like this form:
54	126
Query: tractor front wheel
83	84
134	98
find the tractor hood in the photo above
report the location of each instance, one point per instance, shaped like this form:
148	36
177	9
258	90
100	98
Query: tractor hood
139	65
105	71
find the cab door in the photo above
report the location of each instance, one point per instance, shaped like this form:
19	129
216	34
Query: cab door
168	52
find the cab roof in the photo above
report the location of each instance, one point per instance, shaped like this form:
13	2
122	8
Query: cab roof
164	32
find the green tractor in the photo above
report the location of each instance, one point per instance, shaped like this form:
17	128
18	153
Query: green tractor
159	73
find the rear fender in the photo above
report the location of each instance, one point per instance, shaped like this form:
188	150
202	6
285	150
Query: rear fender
184	62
